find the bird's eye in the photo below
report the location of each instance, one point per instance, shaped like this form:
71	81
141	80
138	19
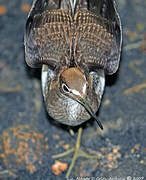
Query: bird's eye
65	88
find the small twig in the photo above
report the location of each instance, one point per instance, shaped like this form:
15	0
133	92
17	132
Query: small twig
135	89
7	173
9	89
132	46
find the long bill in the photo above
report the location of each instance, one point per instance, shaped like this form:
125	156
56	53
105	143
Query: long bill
84	103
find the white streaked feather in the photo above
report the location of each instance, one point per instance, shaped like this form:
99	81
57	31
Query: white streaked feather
47	75
84	88
73	4
102	84
44	81
76	92
99	82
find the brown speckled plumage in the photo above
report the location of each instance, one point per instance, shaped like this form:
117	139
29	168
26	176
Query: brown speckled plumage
70	38
58	35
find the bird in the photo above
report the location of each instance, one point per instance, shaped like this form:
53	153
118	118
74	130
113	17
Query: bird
76	43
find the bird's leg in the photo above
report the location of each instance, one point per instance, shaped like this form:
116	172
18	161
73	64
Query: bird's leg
78	152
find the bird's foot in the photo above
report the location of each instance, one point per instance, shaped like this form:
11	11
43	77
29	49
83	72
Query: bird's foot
78	152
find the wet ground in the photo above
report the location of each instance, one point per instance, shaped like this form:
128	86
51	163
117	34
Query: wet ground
29	138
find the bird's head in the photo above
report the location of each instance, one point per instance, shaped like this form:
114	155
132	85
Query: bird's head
75	85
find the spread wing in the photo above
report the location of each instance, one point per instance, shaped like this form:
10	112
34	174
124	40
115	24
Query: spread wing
98	36
47	36
58	29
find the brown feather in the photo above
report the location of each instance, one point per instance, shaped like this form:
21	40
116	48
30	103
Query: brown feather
74	79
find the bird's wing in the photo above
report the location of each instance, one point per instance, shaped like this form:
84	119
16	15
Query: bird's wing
98	34
55	28
47	36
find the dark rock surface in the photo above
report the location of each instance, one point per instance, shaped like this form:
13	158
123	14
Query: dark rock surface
29	138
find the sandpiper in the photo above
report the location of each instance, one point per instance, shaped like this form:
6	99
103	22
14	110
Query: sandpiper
76	42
